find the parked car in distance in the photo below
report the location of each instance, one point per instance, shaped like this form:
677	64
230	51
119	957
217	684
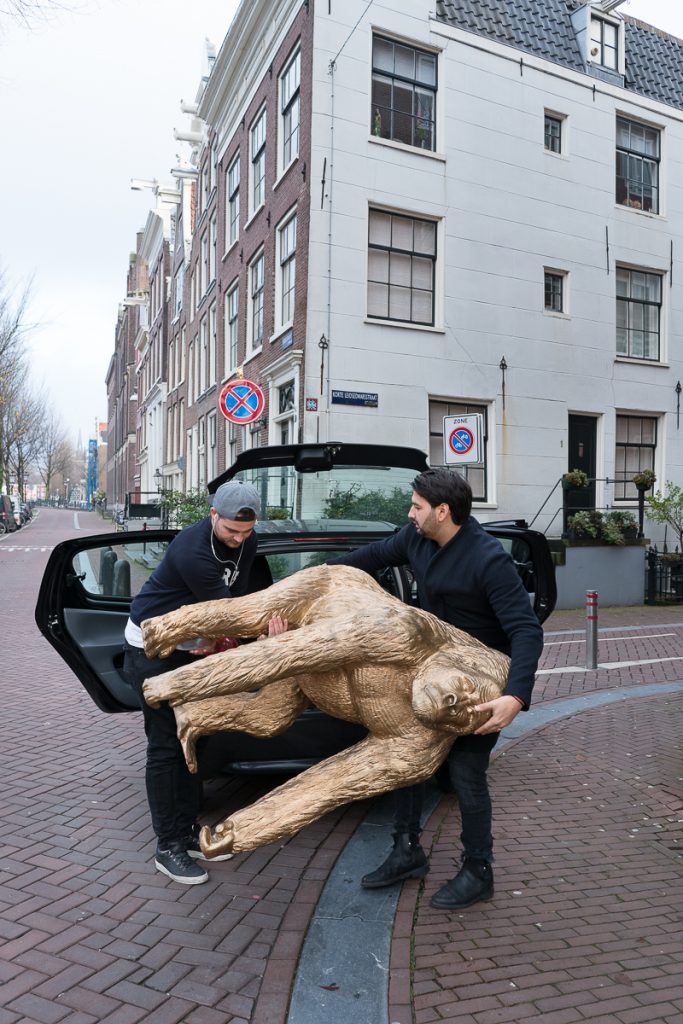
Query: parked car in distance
7	520
318	500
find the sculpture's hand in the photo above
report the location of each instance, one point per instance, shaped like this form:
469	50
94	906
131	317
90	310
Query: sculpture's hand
218	839
503	710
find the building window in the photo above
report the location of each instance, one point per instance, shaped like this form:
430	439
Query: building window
403	93
232	206
476	474
638	155
636	447
211	447
554	292
604	44
178	291
212	345
553	133
290	110
256	281
287	263
639	314
401	268
230	443
213	241
258	162
230	332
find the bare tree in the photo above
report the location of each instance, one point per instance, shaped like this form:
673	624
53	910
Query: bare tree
54	456
14	329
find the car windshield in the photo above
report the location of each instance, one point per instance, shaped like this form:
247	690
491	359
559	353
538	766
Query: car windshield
331	499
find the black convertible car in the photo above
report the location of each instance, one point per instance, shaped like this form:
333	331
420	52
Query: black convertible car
319	500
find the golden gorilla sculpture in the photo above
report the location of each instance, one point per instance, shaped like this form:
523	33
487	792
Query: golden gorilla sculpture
352	650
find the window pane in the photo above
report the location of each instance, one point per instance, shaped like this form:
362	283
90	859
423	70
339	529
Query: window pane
399	303
402	233
426	68
422	307
425	237
404	61
380	228
378	265
437	411
400	270
383	54
422	272
378	300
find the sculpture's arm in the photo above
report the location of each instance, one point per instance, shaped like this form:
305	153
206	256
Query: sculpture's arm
314	648
371	767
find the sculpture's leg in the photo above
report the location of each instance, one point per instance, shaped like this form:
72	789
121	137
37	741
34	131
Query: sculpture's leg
371	767
265	712
315	648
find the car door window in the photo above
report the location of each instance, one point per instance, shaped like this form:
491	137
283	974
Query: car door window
119	570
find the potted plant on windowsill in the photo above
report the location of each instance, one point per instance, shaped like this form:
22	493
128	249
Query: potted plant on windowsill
574	478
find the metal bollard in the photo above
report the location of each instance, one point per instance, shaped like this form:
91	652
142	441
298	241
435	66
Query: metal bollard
591	629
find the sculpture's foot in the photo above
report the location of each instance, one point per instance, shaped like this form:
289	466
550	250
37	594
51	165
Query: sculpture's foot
218	839
188	735
154	691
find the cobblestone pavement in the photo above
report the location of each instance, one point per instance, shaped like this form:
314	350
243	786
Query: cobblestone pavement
585	924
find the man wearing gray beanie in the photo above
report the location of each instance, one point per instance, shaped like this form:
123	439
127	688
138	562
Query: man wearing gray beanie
208	560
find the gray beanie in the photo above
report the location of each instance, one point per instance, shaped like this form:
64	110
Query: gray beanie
233	496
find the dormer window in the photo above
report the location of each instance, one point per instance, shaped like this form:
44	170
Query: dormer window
604	44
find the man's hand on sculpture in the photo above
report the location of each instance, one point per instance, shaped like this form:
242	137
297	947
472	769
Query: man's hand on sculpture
503	710
276	627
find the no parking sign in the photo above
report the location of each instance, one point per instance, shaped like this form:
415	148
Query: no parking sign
462	439
241	401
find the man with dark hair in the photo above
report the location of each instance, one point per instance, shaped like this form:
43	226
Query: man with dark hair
207	561
464	577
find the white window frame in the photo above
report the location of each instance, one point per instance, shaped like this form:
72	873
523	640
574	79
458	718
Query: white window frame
256	298
212	372
232	202
435	259
459	407
285	278
289	92
563	274
257	162
231	329
211	447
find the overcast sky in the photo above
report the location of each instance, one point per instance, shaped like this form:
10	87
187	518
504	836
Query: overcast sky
89	97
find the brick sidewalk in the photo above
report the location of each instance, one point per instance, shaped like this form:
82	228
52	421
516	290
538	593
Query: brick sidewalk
584	924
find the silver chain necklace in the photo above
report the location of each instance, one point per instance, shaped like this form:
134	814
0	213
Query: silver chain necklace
229	577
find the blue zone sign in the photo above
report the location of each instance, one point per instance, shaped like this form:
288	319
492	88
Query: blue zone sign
463	439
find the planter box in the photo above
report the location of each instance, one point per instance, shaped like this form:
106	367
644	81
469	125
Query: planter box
616	571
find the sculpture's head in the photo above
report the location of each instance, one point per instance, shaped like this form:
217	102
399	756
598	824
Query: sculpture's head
444	698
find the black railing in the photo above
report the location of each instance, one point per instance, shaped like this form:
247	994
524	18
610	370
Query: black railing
663	577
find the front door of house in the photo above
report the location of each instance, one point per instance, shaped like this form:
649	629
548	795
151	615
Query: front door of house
581	454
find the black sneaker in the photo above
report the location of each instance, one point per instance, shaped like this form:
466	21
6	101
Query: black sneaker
194	850
175	862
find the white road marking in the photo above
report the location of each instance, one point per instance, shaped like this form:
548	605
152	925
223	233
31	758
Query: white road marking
609	665
602	639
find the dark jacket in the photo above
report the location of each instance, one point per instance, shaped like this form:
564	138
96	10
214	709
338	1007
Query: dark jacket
472	583
190	572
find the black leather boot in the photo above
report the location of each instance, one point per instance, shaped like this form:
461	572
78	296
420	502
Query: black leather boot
406	860
474	882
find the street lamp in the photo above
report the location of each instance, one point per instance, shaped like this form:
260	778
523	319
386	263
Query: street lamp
157	478
66	492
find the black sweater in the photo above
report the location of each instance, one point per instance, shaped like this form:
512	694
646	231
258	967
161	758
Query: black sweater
472	583
190	572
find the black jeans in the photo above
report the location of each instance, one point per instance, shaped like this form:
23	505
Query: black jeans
468	763
173	792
